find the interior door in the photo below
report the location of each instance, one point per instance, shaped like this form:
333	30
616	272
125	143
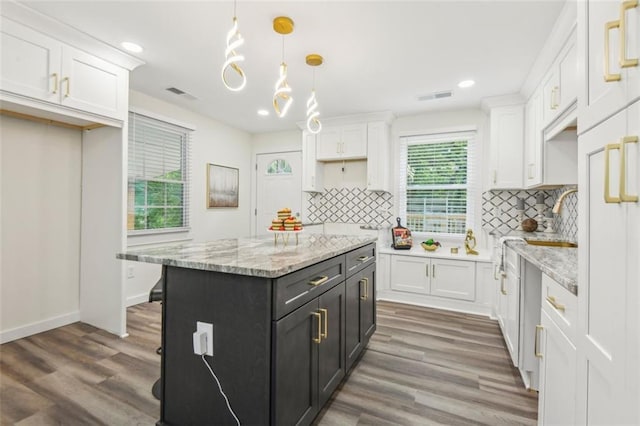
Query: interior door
278	185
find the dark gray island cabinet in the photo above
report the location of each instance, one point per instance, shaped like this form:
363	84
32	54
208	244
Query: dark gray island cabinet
288	325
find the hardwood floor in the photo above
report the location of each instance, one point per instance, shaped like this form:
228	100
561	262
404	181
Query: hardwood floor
423	366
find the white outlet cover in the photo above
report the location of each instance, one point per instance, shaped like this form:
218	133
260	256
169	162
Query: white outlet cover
208	329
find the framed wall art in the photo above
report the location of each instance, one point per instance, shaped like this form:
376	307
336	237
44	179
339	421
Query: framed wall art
222	186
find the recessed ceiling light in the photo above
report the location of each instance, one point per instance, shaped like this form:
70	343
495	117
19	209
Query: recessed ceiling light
263	112
131	47
466	83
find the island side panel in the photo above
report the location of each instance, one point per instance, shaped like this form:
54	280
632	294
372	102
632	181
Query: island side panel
239	307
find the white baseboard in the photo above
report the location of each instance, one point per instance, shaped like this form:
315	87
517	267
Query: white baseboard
38	327
434	302
137	299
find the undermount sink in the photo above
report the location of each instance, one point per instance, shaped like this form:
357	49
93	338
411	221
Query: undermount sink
552	243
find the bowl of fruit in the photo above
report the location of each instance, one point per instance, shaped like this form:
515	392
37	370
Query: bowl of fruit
430	244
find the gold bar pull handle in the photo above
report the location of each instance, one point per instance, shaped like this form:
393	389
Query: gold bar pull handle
319	317
624	197
624	61
319	280
502	289
607	193
433	271
362	290
608	77
426	269
555	304
55	82
554	96
324	334
363	259
66	93
366	288
536	349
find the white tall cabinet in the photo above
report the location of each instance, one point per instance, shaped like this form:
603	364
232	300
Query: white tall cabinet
608	338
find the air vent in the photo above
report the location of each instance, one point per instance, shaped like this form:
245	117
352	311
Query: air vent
436	95
182	93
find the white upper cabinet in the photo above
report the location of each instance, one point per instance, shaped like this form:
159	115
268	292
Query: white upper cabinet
378	175
347	142
507	141
533	140
610	48
559	86
312	170
40	68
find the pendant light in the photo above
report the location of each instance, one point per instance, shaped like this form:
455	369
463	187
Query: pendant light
234	40
282	96
313	123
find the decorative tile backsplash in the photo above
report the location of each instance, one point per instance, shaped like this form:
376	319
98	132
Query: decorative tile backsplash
499	210
350	205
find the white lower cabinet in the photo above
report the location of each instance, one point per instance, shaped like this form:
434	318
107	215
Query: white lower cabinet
556	350
508	310
453	279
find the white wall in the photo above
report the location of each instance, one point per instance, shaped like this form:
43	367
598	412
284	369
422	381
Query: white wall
40	223
212	142
445	121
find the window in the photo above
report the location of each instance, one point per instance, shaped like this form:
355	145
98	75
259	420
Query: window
159	175
279	167
437	182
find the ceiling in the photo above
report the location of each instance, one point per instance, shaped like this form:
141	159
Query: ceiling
378	55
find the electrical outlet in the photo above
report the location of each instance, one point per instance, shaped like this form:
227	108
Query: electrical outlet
130	273
207	330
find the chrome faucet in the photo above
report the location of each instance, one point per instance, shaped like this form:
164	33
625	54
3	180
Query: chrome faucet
558	206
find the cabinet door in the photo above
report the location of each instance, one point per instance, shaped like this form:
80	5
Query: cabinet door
410	274
295	387
604	93
30	62
568	74
533	140
312	171
328	144
93	85
501	305
353	142
556	400
360	312
507	144
550	95
454	279
368	304
378	157
603	296
331	352
512	287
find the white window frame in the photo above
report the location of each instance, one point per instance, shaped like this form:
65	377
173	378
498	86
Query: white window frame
186	171
472	185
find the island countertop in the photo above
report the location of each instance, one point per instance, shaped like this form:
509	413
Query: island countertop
258	257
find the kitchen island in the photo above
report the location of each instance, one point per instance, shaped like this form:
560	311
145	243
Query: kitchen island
289	322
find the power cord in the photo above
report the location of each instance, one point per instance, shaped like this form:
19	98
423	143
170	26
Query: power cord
221	391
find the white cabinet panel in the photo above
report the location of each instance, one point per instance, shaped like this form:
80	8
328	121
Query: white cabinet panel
507	145
312	171
453	279
560	84
347	142
378	171
410	274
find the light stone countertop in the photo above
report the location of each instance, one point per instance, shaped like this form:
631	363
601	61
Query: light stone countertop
258	257
560	263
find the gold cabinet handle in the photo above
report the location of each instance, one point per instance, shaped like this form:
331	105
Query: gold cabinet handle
366	288
607	194
554	95
363	258
624	197
608	77
502	289
324	334
555	304
426	270
362	290
433	271
536	348
319	338
529	171
66	93
320	280
624	61
495	176
55	82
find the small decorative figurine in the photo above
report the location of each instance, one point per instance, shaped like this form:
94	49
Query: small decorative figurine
470	242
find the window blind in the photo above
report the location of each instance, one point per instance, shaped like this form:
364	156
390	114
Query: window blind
437	182
159	175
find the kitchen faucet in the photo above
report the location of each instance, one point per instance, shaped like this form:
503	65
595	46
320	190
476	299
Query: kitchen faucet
558	205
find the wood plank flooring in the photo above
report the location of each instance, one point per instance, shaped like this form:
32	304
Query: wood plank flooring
423	366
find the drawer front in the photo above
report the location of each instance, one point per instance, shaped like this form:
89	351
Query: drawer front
359	259
297	288
561	306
